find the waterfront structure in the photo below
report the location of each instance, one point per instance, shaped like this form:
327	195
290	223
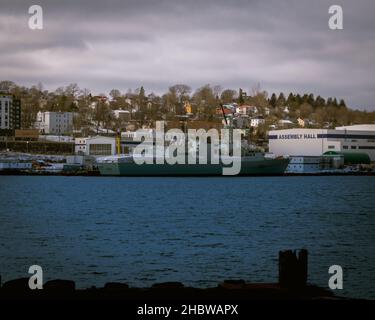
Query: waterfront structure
14	165
54	122
315	142
54	138
95	146
10	114
304	164
315	164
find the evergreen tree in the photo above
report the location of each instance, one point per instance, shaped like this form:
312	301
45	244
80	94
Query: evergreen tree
281	100
320	102
335	104
240	97
305	98
273	100
142	99
298	99
291	99
311	99
142	94
342	103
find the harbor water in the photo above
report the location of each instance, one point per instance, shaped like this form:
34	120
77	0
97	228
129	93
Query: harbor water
199	231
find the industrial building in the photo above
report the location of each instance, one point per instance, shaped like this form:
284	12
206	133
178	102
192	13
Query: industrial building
95	146
357	139
10	114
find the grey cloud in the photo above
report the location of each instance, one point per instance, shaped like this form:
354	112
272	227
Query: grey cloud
284	45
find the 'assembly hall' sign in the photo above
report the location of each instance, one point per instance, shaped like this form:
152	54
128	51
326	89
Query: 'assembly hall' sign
298	136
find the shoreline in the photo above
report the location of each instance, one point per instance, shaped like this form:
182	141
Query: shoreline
229	289
97	174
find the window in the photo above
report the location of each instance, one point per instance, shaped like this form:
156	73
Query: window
367	147
100	149
353	147
345	147
331	147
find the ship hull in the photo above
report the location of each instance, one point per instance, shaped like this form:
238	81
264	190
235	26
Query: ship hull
248	168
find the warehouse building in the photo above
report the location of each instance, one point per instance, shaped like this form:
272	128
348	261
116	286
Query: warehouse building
358	139
95	146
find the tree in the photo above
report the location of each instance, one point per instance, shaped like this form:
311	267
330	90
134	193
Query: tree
319	102
310	99
141	99
102	115
305	110
273	100
342	104
298	99
334	102
7	86
72	90
281	100
260	100
171	101
181	93
205	102
240	97
228	96
217	91
115	94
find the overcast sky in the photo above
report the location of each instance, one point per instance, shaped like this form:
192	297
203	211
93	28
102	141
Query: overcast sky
285	45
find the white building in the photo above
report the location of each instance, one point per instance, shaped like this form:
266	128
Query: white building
80	146
256	121
246	110
122	114
54	122
95	146
315	142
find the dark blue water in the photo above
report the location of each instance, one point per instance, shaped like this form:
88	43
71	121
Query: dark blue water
195	230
